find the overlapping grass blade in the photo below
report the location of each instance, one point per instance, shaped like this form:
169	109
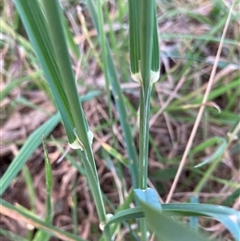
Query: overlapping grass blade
134	38
48	38
229	217
143	44
36	27
66	81
164	227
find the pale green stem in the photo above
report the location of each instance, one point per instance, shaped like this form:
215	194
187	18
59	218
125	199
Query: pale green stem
146	44
143	155
144	138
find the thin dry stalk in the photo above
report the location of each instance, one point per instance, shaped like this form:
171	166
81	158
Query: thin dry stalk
200	113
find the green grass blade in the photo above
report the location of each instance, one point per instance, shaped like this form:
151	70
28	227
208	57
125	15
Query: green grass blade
134	41
166	228
123	213
49	183
149	196
193	220
229	217
206	144
27	150
127	214
143	44
218	153
25	215
146	40
11	236
67	80
155	65
114	153
30	187
41	234
36	27
231	198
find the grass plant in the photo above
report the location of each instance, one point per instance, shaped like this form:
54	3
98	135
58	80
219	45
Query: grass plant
138	145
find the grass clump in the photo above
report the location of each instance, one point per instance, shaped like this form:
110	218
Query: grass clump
145	165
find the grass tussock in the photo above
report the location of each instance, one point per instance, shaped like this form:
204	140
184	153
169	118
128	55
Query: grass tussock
190	33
